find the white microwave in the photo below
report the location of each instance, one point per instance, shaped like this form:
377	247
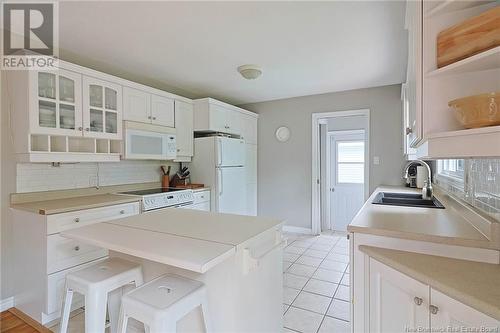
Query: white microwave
149	142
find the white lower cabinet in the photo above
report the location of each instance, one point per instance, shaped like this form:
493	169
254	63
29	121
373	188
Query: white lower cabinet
448	312
399	303
48	257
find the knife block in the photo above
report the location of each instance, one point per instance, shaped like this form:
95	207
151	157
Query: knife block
165	181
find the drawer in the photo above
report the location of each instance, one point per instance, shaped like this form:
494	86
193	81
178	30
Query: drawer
201	196
65	221
205	206
63	253
55	289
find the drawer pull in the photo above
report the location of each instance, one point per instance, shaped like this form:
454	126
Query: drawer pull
418	301
77	248
203	197
77	219
434	309
122	211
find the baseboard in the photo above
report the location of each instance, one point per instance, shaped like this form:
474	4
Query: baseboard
6	303
297	230
30	321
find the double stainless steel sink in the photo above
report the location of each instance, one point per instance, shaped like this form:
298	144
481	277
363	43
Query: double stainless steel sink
406	199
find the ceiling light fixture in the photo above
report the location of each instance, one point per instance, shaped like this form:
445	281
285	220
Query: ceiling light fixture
250	72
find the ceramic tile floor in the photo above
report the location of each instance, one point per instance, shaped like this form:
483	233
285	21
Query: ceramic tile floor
316	295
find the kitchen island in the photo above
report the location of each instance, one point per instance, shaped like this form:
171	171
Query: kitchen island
237	257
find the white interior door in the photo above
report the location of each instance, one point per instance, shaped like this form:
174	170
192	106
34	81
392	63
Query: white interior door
347	173
231	187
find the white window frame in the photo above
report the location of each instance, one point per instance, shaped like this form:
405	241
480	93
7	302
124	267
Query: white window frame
351	163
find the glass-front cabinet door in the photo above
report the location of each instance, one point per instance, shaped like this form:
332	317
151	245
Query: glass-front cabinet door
102	109
56	103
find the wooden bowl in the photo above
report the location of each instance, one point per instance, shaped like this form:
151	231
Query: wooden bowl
478	110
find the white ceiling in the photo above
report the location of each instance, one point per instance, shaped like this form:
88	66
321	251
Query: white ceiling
194	48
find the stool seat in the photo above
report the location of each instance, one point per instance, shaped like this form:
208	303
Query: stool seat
95	283
160	303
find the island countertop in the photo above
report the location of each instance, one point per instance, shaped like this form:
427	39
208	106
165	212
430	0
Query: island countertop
454	225
184	238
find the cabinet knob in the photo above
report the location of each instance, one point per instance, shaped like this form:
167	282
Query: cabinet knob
149	117
154	118
178	150
122	211
80	128
418	300
408	130
87	129
77	219
433	309
77	248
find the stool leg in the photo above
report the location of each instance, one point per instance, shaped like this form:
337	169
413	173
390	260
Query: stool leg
166	324
206	318
122	322
66	309
95	312
114	300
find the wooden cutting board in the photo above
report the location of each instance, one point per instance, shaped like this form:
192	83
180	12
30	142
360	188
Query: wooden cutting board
473	36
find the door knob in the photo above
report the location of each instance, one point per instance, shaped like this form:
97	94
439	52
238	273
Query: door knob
418	301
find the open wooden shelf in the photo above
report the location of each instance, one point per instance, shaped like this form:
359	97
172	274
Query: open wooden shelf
46	148
454	5
461	143
486	60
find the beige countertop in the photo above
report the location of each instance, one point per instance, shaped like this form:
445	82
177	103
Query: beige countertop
455	225
184	238
472	283
56	206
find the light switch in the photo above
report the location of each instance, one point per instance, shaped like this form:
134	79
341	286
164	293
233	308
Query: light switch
376	160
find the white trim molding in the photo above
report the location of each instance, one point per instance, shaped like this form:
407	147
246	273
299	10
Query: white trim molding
297	230
6	303
318	118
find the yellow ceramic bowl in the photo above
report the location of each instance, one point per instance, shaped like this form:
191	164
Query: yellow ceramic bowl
478	110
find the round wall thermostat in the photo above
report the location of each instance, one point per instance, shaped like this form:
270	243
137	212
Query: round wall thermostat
283	134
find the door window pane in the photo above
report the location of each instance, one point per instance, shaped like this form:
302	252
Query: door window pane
351	151
111	122
350	162
350	173
47	85
96	120
110	99
46	114
66	116
66	90
95	95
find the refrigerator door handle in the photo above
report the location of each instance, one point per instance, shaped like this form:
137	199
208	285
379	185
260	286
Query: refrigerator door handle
219	152
220	181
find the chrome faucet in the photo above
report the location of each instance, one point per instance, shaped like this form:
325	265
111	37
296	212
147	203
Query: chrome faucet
427	191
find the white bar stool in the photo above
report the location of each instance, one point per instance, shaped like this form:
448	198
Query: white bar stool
160	303
95	282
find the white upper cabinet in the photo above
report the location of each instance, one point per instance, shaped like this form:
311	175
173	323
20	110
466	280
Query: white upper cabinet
249	133
56	103
413	86
136	105
145	107
102	109
162	111
211	115
184	128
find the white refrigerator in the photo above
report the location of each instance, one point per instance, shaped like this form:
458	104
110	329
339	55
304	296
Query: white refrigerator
219	163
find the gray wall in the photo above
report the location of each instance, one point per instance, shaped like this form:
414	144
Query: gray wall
284	181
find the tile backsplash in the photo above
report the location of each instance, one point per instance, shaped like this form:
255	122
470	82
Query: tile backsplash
481	185
45	177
